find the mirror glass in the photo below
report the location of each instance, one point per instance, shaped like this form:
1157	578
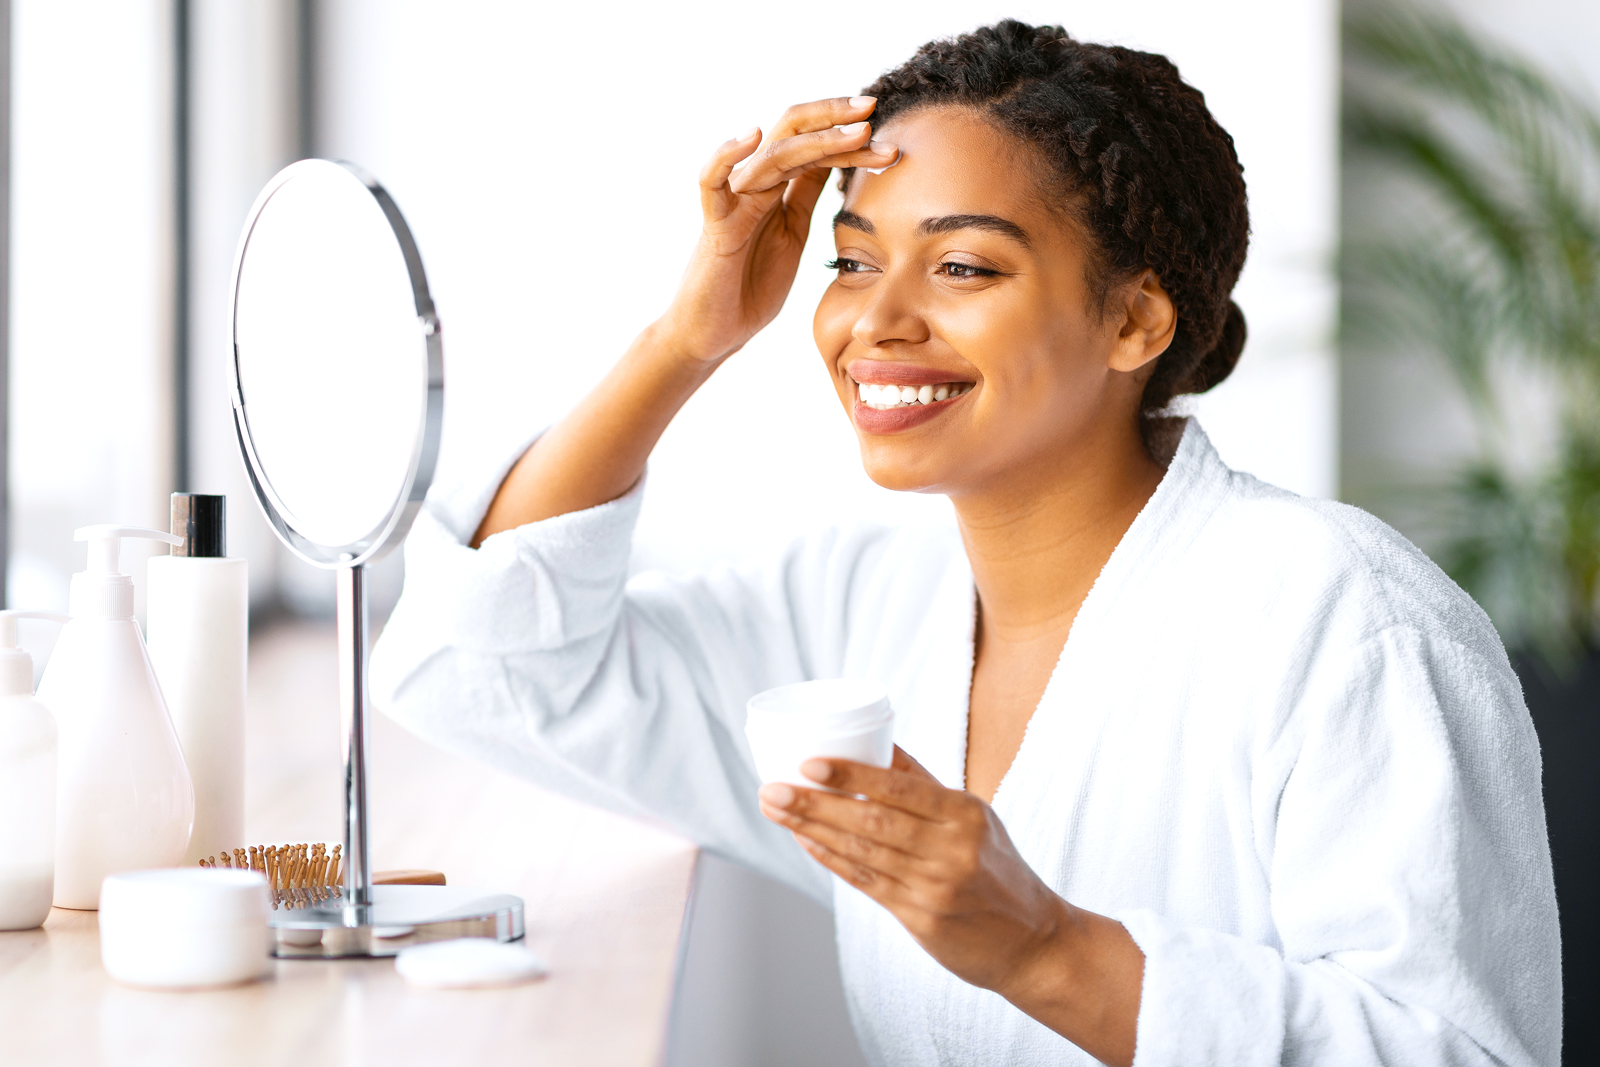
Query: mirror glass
335	366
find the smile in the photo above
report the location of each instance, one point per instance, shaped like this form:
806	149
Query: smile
889	397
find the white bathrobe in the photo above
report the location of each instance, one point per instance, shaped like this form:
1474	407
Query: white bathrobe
1280	747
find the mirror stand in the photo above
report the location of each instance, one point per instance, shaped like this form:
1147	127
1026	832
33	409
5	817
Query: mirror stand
329	292
351	601
369	920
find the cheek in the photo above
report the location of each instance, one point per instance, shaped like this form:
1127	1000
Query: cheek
831	325
1028	352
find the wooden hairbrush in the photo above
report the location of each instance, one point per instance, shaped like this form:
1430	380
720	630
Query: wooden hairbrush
300	876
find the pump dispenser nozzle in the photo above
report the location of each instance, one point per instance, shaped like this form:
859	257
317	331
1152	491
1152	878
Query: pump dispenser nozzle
102	591
16	666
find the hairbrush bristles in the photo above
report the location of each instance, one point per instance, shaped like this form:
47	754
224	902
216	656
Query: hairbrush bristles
298	876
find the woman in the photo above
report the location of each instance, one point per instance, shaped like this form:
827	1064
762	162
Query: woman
1190	770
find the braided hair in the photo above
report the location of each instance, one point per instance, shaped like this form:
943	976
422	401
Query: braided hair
1138	161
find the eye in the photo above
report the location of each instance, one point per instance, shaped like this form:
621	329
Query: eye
965	270
847	266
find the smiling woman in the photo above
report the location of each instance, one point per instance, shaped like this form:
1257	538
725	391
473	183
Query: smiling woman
1189	769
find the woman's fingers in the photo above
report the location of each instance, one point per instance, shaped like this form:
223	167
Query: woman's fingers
800	200
880	885
782	158
821	114
855	847
820	135
904	785
845	824
716	199
902	761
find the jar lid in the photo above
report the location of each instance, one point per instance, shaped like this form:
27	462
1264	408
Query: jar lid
832	704
189	896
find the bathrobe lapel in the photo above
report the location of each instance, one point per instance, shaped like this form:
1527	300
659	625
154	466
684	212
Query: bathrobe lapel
1060	745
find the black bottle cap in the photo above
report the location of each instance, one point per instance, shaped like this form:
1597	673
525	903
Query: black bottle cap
202	522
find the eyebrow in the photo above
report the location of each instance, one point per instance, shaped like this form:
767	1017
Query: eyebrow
944	224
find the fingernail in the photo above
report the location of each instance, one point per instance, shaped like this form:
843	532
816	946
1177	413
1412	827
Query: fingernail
862	101
777	794
852	129
883	148
754	131
817	770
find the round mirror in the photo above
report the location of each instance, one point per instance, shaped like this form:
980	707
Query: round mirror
337	370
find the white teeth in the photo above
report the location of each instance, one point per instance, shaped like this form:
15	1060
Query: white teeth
884	397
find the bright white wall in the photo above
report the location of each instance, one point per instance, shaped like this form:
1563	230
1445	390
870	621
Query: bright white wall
546	159
91	272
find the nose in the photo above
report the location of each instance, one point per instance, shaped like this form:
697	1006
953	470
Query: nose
889	314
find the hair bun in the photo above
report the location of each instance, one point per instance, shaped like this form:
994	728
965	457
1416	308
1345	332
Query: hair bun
1218	363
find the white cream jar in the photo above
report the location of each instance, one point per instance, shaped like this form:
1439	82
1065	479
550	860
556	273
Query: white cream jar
185	928
842	718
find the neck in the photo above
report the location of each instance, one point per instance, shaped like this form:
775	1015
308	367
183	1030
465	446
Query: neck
1038	539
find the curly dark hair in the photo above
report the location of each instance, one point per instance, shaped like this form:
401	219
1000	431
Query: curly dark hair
1142	166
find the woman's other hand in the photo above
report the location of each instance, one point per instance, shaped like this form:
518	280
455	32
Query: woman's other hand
941	862
757	198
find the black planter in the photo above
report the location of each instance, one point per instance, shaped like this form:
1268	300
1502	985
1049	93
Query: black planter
1566	713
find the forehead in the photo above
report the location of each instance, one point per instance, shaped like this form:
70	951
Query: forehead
952	162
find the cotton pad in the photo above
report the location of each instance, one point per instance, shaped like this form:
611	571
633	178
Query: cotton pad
468	963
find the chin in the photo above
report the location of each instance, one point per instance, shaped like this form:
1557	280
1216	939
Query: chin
889	466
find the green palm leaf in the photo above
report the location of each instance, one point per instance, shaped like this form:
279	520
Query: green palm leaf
1498	269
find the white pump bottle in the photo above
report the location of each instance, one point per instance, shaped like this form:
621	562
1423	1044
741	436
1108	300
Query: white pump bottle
124	797
27	784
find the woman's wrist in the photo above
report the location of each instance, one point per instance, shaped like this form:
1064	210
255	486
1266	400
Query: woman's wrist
1045	964
1082	976
673	338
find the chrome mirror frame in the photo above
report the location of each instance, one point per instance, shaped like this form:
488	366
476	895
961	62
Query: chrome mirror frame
379	541
365	920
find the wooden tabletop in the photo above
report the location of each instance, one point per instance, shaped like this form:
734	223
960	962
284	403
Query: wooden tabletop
605	899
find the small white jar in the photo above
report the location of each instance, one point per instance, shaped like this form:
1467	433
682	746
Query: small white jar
841	718
186	928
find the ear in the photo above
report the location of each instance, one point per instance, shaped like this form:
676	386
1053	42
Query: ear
1149	321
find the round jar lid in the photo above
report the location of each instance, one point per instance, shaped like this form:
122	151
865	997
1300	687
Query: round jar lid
189	896
832	704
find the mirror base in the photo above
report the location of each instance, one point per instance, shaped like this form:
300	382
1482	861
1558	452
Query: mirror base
398	917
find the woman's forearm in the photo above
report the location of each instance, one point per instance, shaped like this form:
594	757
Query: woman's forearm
598	451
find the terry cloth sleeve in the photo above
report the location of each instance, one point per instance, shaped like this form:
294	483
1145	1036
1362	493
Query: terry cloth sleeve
536	654
1410	878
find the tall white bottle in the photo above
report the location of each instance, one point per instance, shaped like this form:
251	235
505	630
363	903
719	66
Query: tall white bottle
198	604
124	800
27	785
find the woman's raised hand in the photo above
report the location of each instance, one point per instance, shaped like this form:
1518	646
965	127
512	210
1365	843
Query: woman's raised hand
757	197
756	218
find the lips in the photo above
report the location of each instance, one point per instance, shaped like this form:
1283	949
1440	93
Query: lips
893	397
890	372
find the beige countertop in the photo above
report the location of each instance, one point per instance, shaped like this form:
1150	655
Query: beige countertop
605	903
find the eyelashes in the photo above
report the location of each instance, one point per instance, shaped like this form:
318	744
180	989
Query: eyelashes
966	270
949	268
